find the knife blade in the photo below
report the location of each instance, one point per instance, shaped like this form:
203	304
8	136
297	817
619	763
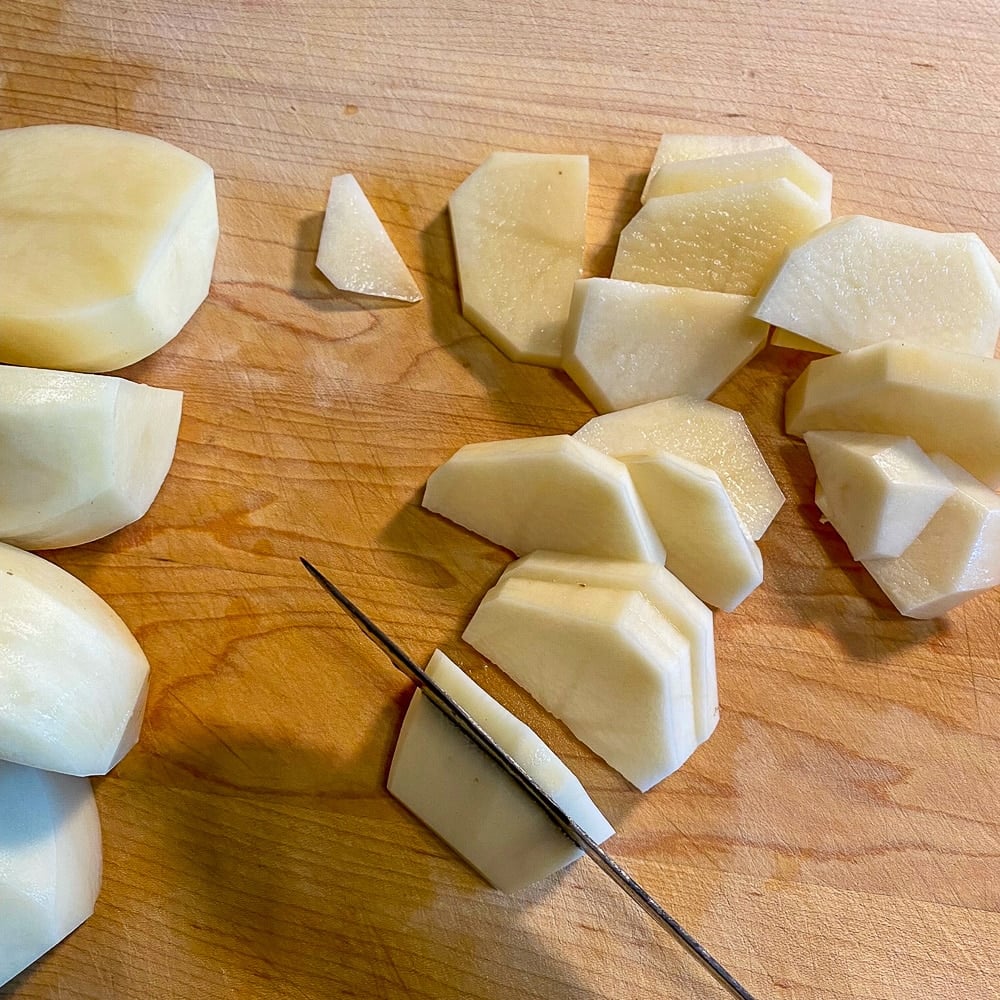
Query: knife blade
565	823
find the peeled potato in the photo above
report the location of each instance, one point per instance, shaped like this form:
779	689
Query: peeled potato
470	803
50	862
80	455
73	680
108	240
355	252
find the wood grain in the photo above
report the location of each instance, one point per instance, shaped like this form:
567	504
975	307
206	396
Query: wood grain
837	838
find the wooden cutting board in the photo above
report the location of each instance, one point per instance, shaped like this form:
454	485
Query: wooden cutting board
837	838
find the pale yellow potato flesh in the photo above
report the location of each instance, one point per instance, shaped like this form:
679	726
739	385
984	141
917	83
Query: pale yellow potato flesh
785	338
956	557
861	280
106	262
355	252
665	593
708	549
551	492
681	147
50	862
73	678
473	805
946	401
519	227
628	343
602	660
878	490
745	168
702	432
729	239
80	455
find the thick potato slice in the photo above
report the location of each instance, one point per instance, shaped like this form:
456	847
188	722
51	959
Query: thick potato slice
947	402
956	557
745	168
860	280
664	592
708	549
545	493
628	343
703	432
108	241
879	491
50	862
355	252
785	338
681	147
729	239
80	455
470	803
602	660
72	678
519	228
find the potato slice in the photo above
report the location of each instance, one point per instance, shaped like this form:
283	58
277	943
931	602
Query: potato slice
745	168
729	239
105	262
665	593
785	338
708	549
50	862
602	660
956	557
879	491
545	493
860	281
628	343
681	147
947	402
80	455
470	803
355	252
703	432
518	222
72	678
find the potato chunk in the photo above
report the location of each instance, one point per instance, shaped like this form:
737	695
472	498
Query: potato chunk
80	455
728	239
602	660
545	493
50	862
108	241
470	803
860	280
355	252
72	678
519	227
628	343
947	402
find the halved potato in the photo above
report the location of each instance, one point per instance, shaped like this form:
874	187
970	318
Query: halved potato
628	343
50	862
548	492
702	432
602	660
519	227
860	280
664	592
729	239
80	455
108	240
470	803
946	401
355	252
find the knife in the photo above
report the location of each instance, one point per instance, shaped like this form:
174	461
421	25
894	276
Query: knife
460	718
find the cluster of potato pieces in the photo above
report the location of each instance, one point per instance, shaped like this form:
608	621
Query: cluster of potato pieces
734	241
108	241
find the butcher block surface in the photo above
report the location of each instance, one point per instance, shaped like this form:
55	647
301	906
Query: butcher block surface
836	838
